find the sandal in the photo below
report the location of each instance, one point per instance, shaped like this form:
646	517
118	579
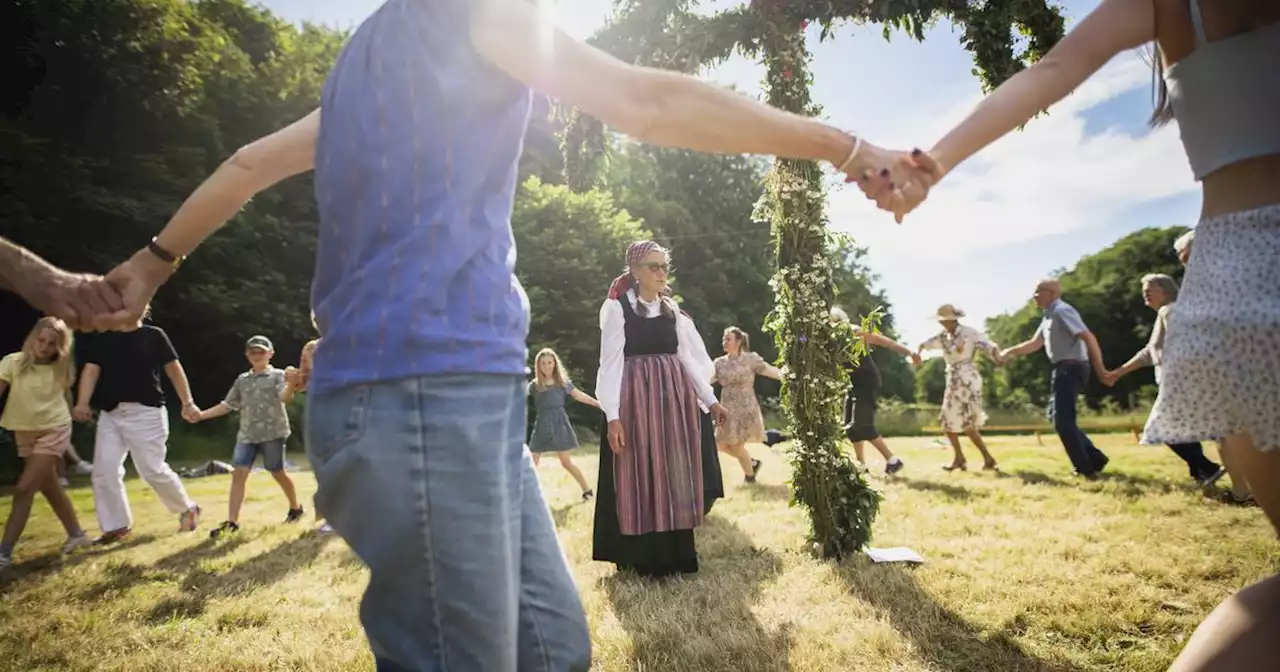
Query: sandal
962	466
990	466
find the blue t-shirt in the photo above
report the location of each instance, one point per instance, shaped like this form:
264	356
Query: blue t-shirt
1061	327
415	176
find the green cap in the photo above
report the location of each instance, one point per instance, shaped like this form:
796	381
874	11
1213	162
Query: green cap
259	342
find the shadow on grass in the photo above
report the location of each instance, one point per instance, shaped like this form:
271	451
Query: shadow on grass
704	622
952	492
37	567
1123	484
258	571
938	634
765	491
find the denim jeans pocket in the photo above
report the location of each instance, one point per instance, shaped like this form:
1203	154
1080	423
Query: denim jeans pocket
335	420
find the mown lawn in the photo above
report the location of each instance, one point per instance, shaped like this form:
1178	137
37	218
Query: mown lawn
1026	570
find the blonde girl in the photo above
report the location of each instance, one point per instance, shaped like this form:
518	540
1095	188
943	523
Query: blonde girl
38	413
552	431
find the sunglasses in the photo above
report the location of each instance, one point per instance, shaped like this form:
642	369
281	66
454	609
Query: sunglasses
654	267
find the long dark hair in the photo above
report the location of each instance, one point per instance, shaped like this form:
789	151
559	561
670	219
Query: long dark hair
1163	112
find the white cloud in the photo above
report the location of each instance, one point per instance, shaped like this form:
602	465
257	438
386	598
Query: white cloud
1050	178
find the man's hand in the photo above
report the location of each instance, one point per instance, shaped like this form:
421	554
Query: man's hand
85	302
916	360
136	280
1109	378
617	437
192	413
81	413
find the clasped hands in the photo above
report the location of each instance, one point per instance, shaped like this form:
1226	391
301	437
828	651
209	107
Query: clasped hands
897	181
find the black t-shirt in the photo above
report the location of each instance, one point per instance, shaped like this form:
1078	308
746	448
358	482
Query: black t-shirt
864	377
131	363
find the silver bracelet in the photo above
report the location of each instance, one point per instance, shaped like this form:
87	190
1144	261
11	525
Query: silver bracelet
857	145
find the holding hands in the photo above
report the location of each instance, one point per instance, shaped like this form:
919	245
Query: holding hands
897	181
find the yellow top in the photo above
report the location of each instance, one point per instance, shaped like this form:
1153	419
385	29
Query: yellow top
37	398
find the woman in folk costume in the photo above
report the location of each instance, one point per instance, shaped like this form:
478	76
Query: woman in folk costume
651	381
962	411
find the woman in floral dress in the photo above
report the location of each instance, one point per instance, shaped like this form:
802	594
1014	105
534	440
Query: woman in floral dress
736	372
962	411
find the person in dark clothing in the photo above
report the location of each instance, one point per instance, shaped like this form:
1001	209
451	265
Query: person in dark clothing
862	397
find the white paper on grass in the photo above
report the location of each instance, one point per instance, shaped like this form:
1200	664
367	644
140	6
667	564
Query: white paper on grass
897	554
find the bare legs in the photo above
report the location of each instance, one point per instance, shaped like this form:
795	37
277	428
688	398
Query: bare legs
1240	490
1240	634
39	474
958	462
286	485
566	461
739	452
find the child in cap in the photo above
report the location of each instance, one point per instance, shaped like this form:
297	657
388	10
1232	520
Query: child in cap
259	394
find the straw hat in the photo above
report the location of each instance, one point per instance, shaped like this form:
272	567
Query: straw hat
948	313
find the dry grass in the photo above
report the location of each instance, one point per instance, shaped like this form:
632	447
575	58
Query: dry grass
1025	571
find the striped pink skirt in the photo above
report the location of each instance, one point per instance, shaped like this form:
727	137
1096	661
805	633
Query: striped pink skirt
658	476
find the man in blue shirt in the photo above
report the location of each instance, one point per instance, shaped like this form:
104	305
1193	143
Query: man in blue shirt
1070	347
416	415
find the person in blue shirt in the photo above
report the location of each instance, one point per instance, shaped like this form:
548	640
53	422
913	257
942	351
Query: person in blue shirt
416	410
1071	348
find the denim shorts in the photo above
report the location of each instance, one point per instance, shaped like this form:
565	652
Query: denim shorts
272	455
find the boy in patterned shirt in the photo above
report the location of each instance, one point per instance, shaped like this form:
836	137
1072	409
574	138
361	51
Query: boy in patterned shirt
259	394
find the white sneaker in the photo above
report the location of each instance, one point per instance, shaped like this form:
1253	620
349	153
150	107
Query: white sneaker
83	468
325	529
72	544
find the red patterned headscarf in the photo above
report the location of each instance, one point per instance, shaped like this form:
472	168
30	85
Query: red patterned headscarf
638	250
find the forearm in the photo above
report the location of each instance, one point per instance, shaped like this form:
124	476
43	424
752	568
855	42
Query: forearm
18	266
1095	352
250	170
681	111
178	376
88	382
215	412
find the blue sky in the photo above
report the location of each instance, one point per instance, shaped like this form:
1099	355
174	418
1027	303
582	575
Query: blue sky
1067	185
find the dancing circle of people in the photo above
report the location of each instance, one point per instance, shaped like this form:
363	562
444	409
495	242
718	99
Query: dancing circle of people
416	435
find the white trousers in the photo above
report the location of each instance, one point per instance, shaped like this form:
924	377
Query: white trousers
141	431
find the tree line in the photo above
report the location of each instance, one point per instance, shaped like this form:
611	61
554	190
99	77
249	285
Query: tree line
115	110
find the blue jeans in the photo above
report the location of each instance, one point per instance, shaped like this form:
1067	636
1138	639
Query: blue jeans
272	455
1065	384
429	482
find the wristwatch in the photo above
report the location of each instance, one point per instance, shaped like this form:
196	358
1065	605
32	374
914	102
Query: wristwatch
165	255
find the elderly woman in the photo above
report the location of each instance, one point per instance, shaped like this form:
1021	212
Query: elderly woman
962	411
653	376
1159	292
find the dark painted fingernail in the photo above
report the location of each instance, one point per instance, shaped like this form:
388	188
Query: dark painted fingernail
916	152
884	172
891	185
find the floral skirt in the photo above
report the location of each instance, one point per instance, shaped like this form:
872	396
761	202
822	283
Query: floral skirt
962	402
1221	368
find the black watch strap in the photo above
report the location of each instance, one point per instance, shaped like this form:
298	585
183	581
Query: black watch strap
164	255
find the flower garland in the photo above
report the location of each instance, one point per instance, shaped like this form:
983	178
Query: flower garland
825	482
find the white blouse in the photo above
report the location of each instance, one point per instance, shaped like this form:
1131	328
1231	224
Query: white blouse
613	338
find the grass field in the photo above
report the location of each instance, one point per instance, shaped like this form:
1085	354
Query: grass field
1026	570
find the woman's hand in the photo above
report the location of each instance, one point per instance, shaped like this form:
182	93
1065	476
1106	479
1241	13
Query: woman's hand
719	415
902	182
617	437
